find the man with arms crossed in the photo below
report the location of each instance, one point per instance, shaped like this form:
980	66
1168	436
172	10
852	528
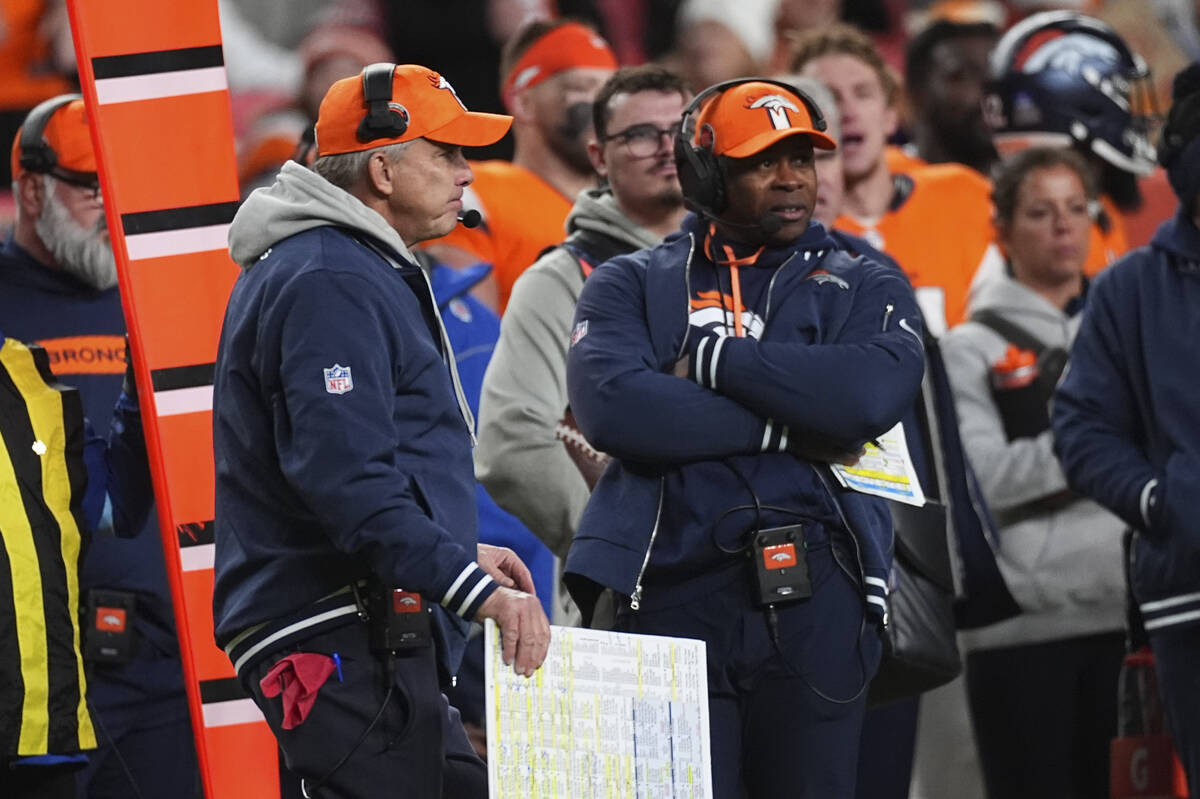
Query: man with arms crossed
723	370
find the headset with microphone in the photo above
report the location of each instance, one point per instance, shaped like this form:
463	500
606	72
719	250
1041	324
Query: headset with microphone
384	119
388	120
701	175
36	154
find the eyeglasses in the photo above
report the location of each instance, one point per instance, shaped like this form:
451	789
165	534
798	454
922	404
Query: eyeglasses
644	140
80	181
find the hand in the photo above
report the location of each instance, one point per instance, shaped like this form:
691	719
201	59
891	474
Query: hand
524	630
825	452
503	565
683	366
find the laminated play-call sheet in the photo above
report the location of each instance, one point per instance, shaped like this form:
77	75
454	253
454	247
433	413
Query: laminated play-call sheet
608	716
885	470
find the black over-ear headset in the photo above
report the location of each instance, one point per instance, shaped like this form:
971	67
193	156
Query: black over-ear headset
700	174
384	119
36	154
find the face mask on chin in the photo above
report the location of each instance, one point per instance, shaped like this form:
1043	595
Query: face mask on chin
568	137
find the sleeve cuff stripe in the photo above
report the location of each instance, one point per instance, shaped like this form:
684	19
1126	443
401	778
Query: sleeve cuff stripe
698	366
766	439
713	361
479	586
878	600
783	439
1144	502
458	582
877	582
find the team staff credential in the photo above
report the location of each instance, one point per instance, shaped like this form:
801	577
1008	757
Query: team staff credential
343	453
723	369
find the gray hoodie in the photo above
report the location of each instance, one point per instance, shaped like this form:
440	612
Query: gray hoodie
1063	565
524	468
301	199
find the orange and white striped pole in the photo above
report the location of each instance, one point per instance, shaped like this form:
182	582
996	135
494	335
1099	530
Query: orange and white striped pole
153	80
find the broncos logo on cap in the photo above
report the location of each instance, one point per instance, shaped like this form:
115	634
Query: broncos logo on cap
777	107
440	82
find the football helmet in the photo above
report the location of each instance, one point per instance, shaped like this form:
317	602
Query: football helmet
1059	78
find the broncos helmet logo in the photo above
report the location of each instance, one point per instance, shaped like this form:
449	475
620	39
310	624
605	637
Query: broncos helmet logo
777	107
440	82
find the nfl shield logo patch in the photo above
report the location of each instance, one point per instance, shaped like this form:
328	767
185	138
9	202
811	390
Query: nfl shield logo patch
338	379
579	332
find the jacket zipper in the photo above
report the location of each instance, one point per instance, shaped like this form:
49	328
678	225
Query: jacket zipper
771	290
887	316
635	601
862	571
687	301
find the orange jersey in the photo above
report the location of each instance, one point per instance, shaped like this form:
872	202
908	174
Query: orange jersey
1107	242
522	215
26	76
1158	205
939	229
900	159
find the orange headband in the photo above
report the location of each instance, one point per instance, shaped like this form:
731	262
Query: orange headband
566	47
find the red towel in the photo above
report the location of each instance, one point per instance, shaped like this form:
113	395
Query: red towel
298	677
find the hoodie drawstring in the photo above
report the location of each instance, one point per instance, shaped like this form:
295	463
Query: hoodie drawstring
734	263
464	407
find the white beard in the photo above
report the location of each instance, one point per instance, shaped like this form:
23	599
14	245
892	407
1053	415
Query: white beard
85	254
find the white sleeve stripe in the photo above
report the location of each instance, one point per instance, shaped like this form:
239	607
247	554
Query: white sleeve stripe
712	363
698	366
877	600
479	586
462	578
783	439
878	582
1144	502
766	442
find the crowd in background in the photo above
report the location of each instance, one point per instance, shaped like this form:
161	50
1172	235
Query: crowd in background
915	95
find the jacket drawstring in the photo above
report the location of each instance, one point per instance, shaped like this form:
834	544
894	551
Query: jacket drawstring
734	263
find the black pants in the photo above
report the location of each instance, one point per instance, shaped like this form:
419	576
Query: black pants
37	782
784	719
1044	715
417	748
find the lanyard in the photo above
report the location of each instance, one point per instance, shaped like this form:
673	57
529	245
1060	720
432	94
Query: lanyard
734	263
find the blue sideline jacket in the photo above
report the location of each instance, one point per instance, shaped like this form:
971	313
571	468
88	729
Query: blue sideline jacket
320	483
1126	415
473	329
838	362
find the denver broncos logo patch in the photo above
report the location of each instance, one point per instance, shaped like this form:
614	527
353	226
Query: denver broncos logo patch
823	277
712	311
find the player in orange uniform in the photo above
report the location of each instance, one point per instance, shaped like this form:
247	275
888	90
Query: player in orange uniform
552	72
945	70
934	220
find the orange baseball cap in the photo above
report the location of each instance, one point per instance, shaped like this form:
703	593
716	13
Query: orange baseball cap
68	136
749	117
422	97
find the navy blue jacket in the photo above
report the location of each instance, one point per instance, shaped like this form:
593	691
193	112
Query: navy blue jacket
1125	418
839	362
322	481
473	329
